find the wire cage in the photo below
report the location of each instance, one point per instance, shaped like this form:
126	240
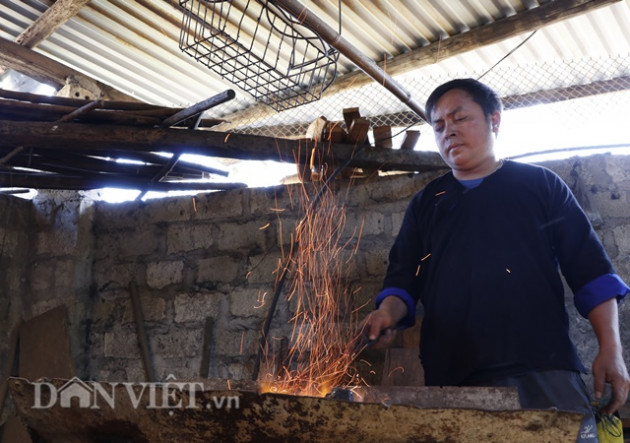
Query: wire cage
259	48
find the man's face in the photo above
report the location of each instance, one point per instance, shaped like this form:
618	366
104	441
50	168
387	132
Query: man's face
463	134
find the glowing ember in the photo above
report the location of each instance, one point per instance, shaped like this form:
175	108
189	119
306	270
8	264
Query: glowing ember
324	341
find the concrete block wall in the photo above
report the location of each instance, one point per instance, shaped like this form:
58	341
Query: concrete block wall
204	266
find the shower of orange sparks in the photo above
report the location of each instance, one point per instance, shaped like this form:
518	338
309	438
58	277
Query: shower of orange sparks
324	341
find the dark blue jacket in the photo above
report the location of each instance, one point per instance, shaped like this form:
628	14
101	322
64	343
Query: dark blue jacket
484	264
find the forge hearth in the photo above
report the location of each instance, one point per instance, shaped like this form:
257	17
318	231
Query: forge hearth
206	410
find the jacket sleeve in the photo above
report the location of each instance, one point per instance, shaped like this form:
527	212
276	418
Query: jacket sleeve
580	253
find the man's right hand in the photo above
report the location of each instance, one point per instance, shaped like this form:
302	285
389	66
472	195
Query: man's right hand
381	322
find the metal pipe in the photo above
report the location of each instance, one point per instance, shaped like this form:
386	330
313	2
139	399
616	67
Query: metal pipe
197	108
334	39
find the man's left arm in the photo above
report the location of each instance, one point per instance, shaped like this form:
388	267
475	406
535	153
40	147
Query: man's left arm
608	366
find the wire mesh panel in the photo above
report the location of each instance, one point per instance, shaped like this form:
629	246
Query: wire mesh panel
260	48
601	91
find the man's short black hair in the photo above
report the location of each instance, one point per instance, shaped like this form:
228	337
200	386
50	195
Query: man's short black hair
481	94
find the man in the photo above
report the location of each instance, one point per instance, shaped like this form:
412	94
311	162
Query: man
480	247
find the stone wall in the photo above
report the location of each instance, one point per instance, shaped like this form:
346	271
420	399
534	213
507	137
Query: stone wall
204	266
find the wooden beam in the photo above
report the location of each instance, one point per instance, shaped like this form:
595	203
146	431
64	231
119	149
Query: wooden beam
566	93
502	29
138	107
56	15
46	70
86	138
54	181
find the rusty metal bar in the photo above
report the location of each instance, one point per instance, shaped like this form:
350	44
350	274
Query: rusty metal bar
80	111
334	38
198	108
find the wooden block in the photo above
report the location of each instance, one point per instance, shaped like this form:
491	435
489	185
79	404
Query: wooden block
411	138
382	137
358	133
350	114
335	133
45	346
316	130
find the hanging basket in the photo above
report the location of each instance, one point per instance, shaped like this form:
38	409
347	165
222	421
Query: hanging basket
259	48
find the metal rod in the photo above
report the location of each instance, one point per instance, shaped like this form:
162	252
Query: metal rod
10	155
334	38
80	111
198	108
164	171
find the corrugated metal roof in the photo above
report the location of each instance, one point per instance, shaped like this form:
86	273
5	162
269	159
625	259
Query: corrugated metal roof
133	46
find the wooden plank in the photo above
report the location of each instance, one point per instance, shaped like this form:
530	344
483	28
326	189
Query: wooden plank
45	346
382	137
24	111
54	181
85	137
410	140
358	132
56	15
138	107
46	70
143	337
349	114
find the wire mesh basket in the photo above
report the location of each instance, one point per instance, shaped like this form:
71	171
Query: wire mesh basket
259	48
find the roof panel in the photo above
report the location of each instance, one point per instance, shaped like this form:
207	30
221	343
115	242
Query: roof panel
133	46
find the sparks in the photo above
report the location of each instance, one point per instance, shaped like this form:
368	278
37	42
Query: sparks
440	193
324	338
396	369
260	300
